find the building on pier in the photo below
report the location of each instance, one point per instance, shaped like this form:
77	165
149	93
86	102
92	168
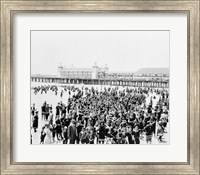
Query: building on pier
102	76
146	77
96	72
152	72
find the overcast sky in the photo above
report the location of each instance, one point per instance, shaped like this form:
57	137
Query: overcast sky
120	50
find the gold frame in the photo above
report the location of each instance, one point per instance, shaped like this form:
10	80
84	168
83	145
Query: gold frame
8	8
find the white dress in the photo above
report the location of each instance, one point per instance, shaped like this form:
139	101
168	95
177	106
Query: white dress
47	139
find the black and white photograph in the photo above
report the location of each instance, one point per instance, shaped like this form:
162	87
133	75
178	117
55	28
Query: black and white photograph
100	87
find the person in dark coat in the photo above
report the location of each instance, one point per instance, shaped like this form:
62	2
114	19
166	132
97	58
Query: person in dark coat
102	133
136	134
53	130
58	129
79	128
72	132
35	122
129	135
33	109
42	136
148	131
65	134
43	109
58	110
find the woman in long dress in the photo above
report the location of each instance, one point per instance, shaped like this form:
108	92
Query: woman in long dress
48	135
35	122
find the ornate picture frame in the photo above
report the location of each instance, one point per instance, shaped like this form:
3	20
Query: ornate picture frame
9	8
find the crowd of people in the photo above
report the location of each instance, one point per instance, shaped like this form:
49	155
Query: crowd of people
106	115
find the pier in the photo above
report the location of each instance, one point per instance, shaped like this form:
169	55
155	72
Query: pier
137	82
